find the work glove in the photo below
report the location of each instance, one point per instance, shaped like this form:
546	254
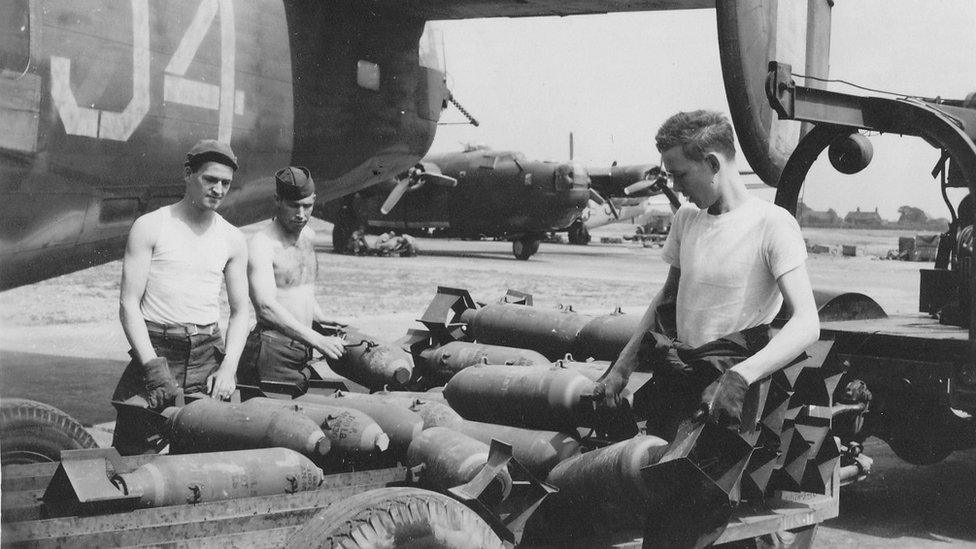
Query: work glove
161	387
721	402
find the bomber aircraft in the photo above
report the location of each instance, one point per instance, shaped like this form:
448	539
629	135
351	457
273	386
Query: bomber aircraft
100	100
480	192
477	192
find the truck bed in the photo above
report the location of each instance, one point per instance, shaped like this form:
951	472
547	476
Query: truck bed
269	521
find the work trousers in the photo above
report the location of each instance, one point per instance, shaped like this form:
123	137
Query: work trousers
191	358
270	356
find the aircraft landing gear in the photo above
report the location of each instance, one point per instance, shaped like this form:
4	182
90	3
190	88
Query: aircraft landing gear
526	246
346	223
578	233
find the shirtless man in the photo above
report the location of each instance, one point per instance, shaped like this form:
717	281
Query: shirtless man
281	272
175	259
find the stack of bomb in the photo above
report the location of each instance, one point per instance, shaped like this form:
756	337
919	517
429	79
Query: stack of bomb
208	425
404	416
790	412
369	361
451	450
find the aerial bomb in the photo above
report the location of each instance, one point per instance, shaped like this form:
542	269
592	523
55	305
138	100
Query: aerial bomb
437	414
352	432
450	458
608	473
535	398
439	364
537	451
199	478
434	411
400	424
453	315
435	394
550	332
605	336
371	362
208	425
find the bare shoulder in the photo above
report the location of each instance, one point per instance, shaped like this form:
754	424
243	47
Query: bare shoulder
263	242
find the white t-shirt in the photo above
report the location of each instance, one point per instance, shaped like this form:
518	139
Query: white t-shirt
729	266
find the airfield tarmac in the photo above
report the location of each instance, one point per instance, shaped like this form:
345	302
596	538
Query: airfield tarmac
60	343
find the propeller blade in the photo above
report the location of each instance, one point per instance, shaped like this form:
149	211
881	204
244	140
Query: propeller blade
595	197
641	185
395	194
440	180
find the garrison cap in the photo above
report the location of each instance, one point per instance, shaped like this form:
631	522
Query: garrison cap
294	183
211	150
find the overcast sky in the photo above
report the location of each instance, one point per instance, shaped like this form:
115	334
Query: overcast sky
612	79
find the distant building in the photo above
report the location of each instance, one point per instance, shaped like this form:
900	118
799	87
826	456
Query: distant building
812	218
866	220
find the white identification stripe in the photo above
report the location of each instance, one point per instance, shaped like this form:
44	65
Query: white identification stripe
227	61
91	122
192	38
190	92
119	126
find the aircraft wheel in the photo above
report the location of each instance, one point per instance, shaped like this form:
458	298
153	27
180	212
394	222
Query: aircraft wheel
396	517
579	234
33	432
525	247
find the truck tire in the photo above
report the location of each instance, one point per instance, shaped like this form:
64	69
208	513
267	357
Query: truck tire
33	432
396	517
920	452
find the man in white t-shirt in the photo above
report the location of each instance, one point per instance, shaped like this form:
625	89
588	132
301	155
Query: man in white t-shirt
734	260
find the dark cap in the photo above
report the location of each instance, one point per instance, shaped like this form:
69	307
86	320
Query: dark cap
294	183
211	150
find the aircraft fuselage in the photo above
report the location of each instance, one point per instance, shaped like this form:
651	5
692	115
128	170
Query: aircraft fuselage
101	99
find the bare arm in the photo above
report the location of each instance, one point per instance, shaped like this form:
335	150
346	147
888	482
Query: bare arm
615	379
135	276
802	329
263	290
235	277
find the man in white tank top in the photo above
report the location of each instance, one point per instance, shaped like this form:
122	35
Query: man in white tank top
734	260
281	276
175	260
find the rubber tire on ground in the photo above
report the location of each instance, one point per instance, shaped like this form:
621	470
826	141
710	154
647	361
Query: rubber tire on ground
33	432
525	247
396	517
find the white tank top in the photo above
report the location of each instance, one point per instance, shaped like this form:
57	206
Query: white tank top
186	271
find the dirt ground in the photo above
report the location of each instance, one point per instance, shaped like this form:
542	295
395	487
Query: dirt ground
60	343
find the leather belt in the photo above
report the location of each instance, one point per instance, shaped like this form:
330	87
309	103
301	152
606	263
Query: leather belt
181	329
